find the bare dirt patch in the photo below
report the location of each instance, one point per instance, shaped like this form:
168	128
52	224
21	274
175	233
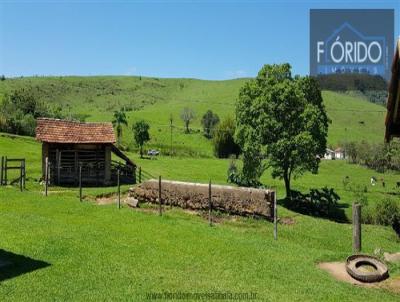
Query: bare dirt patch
338	271
109	199
287	220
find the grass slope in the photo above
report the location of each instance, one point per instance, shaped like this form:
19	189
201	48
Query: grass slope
102	253
156	99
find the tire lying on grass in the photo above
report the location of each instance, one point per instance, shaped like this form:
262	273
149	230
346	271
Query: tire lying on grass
376	270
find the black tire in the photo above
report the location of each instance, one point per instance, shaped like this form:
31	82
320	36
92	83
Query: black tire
353	263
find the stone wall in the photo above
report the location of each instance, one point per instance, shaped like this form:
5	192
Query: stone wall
228	199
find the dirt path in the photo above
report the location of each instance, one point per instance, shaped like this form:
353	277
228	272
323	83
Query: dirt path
338	271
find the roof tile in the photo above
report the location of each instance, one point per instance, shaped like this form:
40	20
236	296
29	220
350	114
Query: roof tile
63	131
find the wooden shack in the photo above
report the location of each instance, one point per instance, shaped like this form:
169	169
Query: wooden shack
72	146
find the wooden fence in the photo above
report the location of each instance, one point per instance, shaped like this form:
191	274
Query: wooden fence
8	164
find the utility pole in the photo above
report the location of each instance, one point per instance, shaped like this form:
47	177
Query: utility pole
171	119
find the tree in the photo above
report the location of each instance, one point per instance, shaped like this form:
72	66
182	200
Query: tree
141	134
209	121
224	143
187	116
118	121
350	149
281	124
19	110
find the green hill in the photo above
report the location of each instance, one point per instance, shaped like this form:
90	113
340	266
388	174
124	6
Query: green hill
153	99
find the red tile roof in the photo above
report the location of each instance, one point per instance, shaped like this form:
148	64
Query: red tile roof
62	131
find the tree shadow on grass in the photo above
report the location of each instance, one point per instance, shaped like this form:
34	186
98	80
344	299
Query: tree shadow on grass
322	203
13	265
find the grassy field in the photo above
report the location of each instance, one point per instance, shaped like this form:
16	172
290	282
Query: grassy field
67	250
154	100
86	252
331	173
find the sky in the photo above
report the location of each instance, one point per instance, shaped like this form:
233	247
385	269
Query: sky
212	40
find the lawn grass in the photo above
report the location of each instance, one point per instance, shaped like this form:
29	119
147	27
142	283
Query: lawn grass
102	253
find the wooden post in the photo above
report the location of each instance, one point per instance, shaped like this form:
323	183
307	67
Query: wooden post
24	163
46	175
170	121
209	204
140	174
159	196
275	217
119	190
58	160
20	176
356	227
5	170
1	170
80	182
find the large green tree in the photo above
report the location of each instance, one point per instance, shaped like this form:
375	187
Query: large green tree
141	134
118	121
281	124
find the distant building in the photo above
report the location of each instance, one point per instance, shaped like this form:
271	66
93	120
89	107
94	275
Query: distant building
338	153
329	154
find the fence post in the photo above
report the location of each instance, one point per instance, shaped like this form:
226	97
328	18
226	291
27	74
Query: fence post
275	218
356	227
5	170
46	175
24	170
80	182
21	175
209	204
159	196
119	190
1	170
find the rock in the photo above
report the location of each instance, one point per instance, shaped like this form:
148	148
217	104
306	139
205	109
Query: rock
395	257
132	202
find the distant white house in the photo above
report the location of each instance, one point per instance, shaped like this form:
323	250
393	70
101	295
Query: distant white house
329	154
338	153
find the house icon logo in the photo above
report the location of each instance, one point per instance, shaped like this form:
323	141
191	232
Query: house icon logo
345	43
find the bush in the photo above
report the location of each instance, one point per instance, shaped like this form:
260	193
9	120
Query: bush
233	172
367	215
209	121
387	212
224	143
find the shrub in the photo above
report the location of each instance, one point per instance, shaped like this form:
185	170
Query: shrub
232	172
387	212
209	121
367	215
224	143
